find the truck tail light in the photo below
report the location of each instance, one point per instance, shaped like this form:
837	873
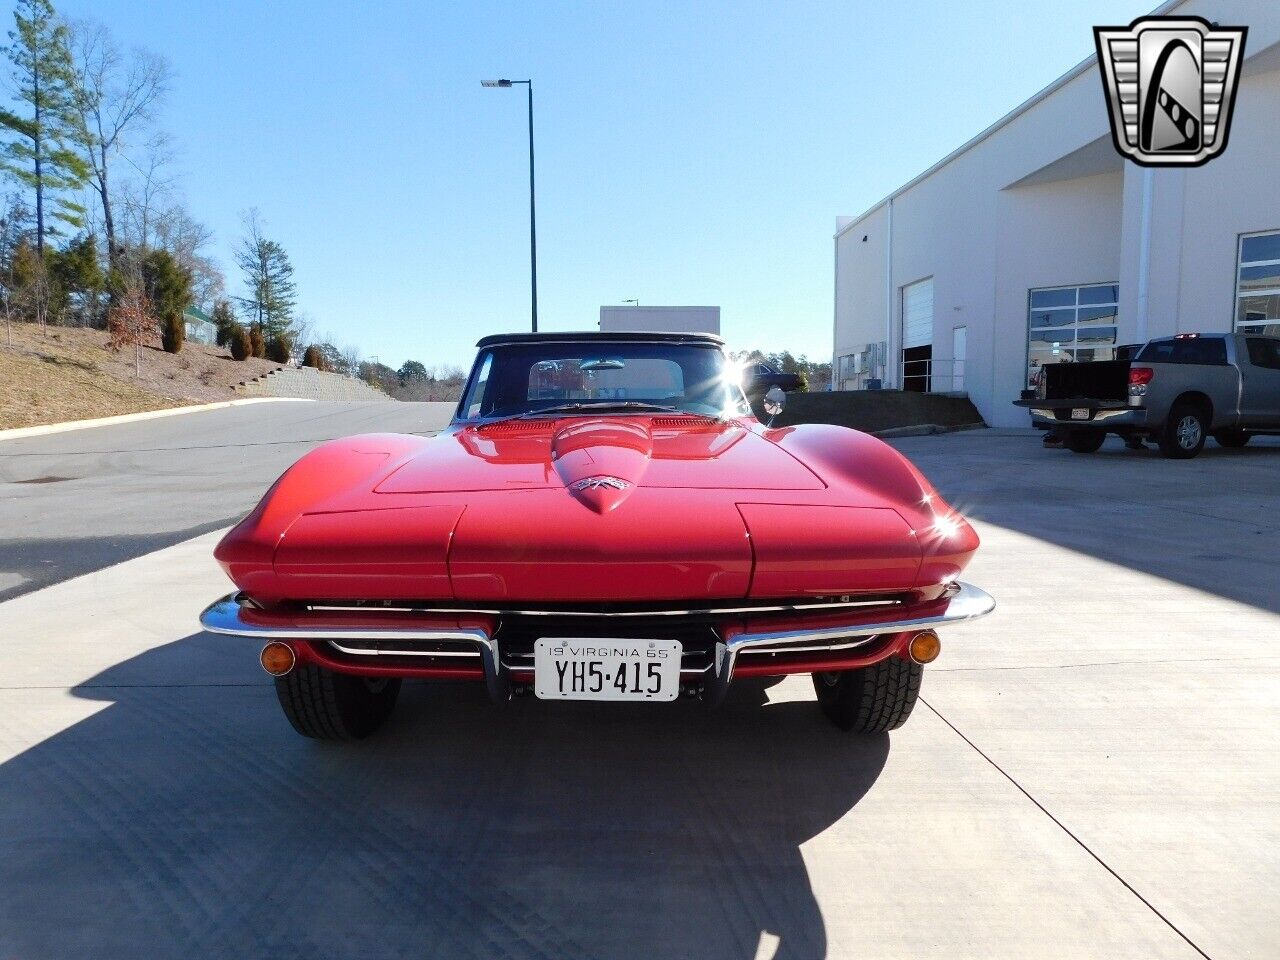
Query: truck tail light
1141	376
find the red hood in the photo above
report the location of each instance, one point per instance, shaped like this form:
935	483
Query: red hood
592	509
688	452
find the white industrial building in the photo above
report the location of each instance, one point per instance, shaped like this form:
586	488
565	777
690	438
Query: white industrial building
1035	242
629	318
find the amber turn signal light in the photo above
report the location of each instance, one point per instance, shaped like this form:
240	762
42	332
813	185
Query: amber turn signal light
925	647
277	658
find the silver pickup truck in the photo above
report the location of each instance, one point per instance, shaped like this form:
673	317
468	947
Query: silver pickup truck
1176	391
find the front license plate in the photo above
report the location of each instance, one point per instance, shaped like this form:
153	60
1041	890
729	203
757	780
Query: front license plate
567	668
1079	413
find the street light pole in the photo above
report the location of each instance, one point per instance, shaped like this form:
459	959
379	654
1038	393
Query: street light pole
533	219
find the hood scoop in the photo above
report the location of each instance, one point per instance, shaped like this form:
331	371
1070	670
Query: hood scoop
601	463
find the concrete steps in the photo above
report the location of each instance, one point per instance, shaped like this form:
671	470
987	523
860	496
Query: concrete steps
307	383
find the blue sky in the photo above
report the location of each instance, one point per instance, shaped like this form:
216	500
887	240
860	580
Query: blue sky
694	152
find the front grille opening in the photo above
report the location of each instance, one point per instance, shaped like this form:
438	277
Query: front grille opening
443	649
516	636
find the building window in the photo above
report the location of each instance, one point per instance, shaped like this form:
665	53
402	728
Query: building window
1066	324
1258	284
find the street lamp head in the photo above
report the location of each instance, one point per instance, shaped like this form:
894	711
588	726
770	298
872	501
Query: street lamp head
495	83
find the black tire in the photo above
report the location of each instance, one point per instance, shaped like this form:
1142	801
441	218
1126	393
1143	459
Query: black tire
325	705
1084	441
870	699
1232	439
1183	435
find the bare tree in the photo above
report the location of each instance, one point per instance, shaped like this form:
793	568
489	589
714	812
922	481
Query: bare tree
132	321
175	230
146	193
115	96
14	225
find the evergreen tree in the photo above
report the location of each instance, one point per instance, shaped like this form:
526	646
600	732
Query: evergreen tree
225	320
312	357
168	287
268	276
41	154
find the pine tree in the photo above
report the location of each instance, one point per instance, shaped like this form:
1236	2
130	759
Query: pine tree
41	153
268	276
225	321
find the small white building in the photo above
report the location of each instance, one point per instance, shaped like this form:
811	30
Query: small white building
1036	243
631	318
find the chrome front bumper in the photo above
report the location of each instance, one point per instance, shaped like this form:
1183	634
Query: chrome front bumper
231	616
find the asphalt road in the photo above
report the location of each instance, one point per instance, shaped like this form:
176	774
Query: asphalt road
82	500
1093	771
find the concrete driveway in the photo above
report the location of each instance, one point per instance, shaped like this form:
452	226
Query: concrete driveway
1094	772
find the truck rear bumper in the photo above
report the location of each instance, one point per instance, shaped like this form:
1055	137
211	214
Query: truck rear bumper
1113	417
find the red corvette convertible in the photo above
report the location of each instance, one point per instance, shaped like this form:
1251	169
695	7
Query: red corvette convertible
602	520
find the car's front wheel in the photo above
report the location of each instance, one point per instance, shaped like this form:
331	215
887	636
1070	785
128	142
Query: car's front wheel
871	699
1084	441
1233	439
325	705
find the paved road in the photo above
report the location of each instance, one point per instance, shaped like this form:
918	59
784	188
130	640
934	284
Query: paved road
1094	771
79	501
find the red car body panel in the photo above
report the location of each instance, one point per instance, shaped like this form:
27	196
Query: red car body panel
707	510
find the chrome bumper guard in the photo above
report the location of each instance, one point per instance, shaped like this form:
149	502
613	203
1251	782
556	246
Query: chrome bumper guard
966	602
226	617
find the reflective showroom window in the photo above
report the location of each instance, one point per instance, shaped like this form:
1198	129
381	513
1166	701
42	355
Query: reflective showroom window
1258	284
1066	324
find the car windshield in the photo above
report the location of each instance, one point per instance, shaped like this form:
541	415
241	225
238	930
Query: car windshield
529	379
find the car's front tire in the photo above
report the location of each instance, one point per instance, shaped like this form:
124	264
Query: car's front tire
325	705
871	699
1232	439
1084	441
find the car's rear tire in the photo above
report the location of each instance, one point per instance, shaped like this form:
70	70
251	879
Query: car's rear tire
871	699
1084	441
1232	439
1183	435
325	705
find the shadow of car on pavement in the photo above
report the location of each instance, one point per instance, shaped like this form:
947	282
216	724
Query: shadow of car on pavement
191	821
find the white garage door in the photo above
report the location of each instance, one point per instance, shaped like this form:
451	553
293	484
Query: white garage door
917	314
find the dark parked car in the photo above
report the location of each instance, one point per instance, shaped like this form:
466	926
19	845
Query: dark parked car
757	378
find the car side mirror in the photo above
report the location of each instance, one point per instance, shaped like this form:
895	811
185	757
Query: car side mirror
774	402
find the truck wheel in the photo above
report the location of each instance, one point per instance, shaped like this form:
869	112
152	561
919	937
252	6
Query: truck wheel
871	699
1232	439
1084	441
325	705
1184	433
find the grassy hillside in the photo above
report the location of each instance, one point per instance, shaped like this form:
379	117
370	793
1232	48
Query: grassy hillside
69	374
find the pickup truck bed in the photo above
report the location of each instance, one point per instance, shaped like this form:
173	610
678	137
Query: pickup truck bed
1177	391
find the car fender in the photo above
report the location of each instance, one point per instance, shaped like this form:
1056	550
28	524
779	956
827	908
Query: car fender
247	551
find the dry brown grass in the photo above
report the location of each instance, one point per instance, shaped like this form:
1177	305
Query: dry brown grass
69	374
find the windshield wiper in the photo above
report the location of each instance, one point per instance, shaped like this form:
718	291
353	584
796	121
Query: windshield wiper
601	406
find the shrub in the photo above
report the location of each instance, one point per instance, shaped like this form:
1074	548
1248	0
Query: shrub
257	346
312	357
173	332
241	348
225	321
279	349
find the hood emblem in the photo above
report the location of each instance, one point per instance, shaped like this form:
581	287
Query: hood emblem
599	483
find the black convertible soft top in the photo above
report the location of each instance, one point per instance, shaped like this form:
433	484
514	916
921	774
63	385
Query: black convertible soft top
571	336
